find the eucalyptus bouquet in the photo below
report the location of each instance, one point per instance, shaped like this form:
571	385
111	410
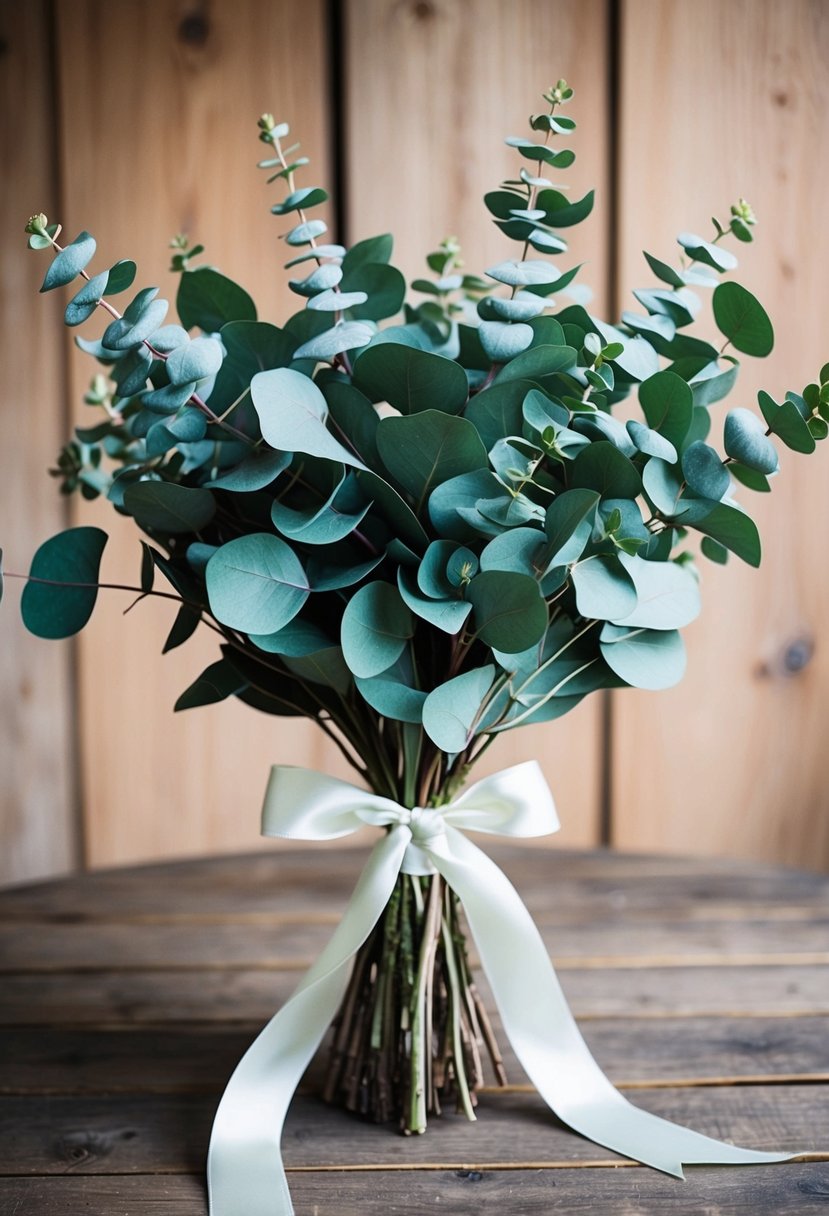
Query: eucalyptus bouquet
422	534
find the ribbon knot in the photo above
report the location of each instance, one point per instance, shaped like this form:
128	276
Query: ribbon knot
427	826
245	1172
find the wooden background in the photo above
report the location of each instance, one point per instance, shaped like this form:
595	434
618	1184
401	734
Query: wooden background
136	119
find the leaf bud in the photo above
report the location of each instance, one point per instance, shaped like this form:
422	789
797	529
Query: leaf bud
267	122
742	210
36	225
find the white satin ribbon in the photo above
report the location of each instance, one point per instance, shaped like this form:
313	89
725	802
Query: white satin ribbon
246	1176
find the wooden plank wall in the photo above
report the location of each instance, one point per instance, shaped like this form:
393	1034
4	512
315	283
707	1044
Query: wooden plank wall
421	94
38	829
731	761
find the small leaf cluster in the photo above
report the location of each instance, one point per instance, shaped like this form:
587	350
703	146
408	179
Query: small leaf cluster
422	534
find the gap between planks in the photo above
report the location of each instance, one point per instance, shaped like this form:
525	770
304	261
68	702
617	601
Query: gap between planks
617	962
396	1167
748	1079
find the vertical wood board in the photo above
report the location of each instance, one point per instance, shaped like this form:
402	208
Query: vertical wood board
432	88
721	100
166	142
37	813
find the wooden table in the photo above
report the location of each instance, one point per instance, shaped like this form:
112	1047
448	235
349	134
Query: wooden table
127	996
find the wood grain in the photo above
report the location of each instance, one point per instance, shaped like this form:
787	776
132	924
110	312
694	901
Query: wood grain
166	142
797	1189
731	761
432	90
110	1077
197	1060
37	800
167	1134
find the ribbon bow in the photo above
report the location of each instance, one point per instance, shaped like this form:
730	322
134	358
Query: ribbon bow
246	1176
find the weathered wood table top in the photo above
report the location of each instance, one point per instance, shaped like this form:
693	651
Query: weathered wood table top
127	997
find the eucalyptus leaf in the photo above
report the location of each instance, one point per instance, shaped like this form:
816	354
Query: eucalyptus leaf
256	583
451	710
644	658
604	589
743	320
207	300
704	471
746	441
423	450
410	380
69	263
509	612
292	413
165	507
376	626
60	595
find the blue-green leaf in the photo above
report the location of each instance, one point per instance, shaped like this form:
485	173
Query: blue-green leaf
746	441
216	683
569	524
376	625
743	320
411	380
194	361
604	589
292	413
50	610
164	506
70	262
423	450
509	612
208	300
704	471
451	711
644	658
667	594
256	583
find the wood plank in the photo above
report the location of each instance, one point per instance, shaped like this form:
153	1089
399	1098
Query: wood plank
798	1189
241	947
734	757
136	998
418	161
310	884
37	802
172	1059
167	1135
166	143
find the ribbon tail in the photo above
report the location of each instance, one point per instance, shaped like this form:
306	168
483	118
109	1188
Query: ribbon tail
543	1032
245	1174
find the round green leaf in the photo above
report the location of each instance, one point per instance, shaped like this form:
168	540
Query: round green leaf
256	583
423	450
292	413
451	710
743	320
746	441
208	300
164	506
604	589
704	471
603	468
644	658
50	610
376	625
509	613
70	262
194	361
411	380
667	594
